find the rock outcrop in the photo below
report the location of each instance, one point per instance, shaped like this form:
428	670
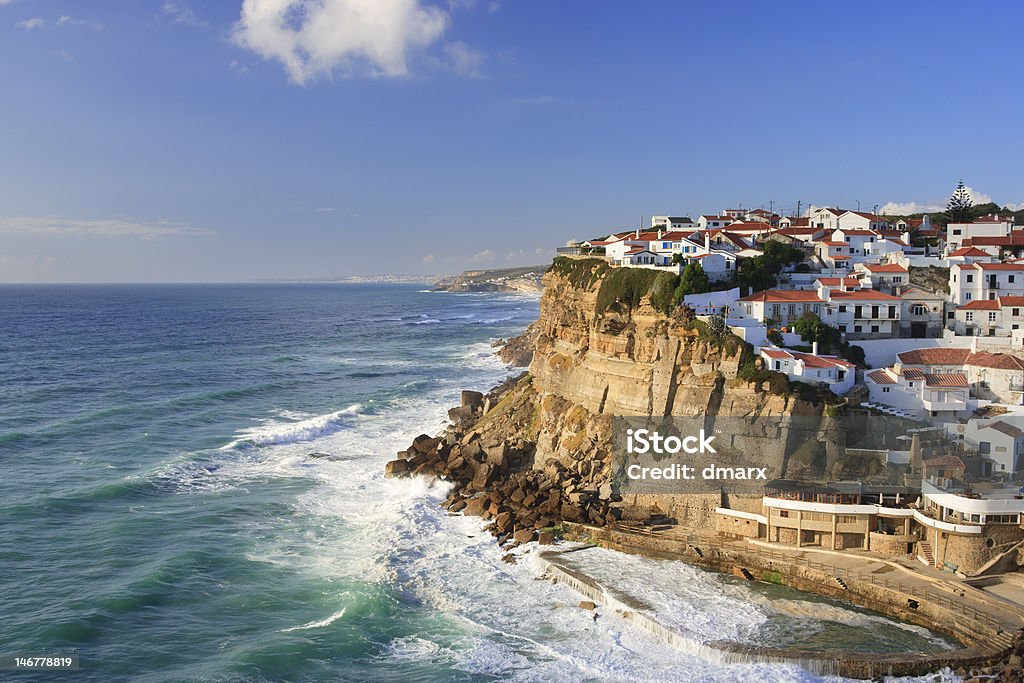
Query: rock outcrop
537	450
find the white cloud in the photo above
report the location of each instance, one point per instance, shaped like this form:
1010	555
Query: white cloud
903	208
180	13
485	256
65	20
429	258
322	38
464	60
238	66
112	227
33	23
1014	206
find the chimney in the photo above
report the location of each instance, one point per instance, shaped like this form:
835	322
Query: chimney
842	283
814	347
636	235
707	241
659	233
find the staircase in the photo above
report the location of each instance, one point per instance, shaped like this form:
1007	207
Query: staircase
924	553
842	584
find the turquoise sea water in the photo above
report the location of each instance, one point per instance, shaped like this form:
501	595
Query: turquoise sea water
162	518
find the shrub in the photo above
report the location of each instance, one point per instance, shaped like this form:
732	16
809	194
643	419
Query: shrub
663	292
581	273
625	285
778	383
775	337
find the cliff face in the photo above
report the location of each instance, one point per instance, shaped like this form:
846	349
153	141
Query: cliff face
540	449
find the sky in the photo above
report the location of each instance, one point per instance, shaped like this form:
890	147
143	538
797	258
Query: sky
236	140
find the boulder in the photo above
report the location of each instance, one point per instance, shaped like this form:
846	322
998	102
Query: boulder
396	468
473	400
476	506
461	416
424	443
504	522
588	604
496	454
484	476
523	536
605	492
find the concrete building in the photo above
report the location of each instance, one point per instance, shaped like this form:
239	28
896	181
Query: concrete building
921	313
1000	441
672	222
887	277
857	314
986	226
942	397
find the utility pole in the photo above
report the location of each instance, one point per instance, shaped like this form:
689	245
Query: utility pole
771	206
858	205
798	203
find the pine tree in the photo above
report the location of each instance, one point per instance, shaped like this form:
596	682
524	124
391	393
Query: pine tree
958	208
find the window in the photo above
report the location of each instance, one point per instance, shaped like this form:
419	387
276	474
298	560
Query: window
958	232
874	329
1015	312
842	309
969	316
950	315
1009	278
968	296
970	278
918	309
842	328
885	390
856	328
992	316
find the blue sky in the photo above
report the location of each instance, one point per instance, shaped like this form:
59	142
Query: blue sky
148	140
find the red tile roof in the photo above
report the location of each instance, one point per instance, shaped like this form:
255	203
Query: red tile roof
981	305
970	251
912	373
998	361
787	295
1008	429
887	268
945	461
881	377
1001	266
934	356
863	295
947	379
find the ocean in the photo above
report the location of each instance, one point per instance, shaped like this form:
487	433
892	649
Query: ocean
162	515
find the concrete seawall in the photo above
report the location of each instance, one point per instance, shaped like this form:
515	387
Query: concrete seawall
986	641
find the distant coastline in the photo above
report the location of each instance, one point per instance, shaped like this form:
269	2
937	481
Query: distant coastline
521	279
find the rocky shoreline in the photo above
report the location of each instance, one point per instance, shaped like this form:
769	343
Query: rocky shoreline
495	478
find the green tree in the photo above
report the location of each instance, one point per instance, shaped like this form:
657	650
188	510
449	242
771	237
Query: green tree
811	328
754	274
958	208
693	280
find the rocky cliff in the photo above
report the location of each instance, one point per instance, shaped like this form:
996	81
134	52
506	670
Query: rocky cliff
526	279
538	449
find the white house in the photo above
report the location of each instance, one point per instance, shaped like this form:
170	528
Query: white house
672	222
999	440
860	220
991	376
997	317
970	255
825	217
713	222
858	240
857	314
973	281
835	373
987	226
885	278
941	396
833	254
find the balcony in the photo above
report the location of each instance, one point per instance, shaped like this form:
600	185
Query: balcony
944	405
